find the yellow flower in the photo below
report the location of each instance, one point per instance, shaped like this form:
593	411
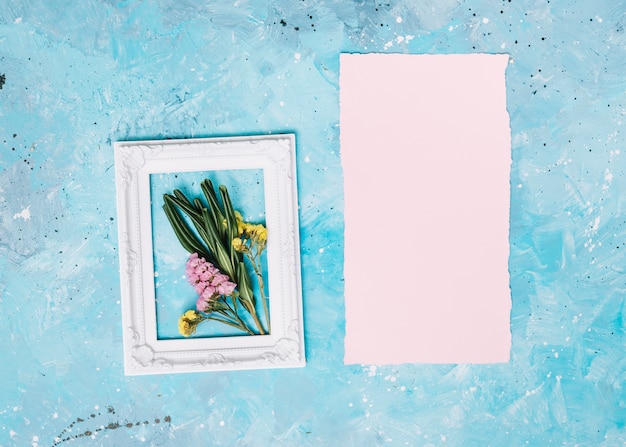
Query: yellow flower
260	233
244	228
240	223
238	244
188	322
192	315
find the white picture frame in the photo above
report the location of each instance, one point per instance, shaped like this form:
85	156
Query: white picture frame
137	163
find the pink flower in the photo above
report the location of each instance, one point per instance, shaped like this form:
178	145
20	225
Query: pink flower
226	288
194	260
202	305
208	293
208	281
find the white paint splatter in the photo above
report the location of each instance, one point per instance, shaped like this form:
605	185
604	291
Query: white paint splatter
596	224
24	214
608	178
485	20
398	19
18	20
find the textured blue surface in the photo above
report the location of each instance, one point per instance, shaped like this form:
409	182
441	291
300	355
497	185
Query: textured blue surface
78	75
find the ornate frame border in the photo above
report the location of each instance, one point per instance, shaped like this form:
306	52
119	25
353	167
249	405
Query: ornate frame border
135	161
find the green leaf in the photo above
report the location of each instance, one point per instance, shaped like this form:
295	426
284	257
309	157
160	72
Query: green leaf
183	202
189	240
231	219
209	236
185	206
223	261
180	196
186	238
231	225
216	212
246	297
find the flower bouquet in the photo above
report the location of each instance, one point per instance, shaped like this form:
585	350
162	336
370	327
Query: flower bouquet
224	252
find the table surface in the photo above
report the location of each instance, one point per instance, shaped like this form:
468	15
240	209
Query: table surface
77	76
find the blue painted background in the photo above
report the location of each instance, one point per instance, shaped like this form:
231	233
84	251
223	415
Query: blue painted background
77	76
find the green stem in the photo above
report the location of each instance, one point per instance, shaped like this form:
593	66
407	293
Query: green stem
231	323
259	275
236	314
257	322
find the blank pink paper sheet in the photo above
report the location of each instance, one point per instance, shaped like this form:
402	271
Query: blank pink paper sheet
425	147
